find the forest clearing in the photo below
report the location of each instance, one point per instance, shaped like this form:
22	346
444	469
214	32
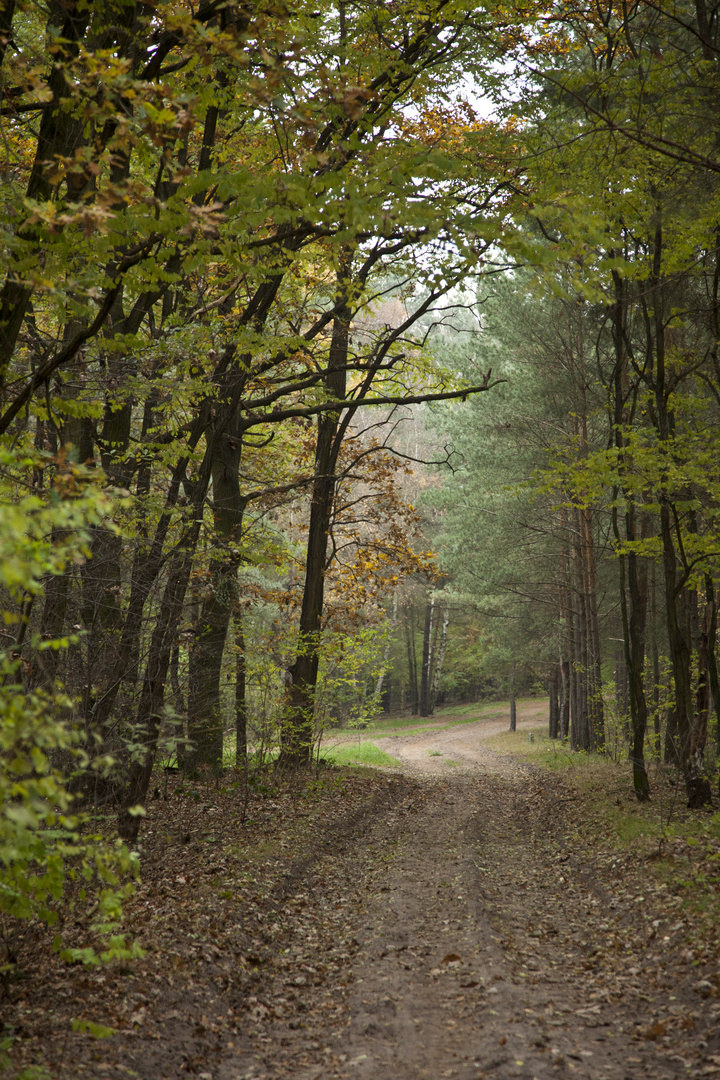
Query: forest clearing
359	538
471	916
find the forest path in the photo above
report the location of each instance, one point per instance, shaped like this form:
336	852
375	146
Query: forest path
442	919
461	747
488	949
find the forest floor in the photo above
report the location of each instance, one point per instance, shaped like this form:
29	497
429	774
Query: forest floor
467	915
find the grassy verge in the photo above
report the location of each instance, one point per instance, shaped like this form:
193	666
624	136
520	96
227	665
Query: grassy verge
536	747
672	850
364	753
606	787
454	716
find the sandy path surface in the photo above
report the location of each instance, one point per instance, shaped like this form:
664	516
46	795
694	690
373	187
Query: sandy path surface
484	948
459	748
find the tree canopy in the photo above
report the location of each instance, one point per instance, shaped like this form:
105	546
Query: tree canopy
245	247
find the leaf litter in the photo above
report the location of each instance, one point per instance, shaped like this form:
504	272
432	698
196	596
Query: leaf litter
365	924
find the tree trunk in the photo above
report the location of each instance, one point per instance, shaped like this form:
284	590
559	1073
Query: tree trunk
409	625
240	692
622	696
150	708
711	657
565	699
439	658
426	673
701	795
52	625
163	638
513	707
672	754
148	561
676	602
177	691
7	11
634	617
637	581
634	621
655	670
102	574
596	712
298	722
579	736
386	651
205	721
554	710
676	593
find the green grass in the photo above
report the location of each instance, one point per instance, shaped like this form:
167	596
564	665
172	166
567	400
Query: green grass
543	751
365	753
355	753
383	726
632	827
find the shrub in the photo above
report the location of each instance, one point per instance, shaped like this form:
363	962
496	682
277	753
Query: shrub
44	847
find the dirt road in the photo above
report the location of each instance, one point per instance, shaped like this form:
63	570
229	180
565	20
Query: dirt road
483	948
463	746
444	920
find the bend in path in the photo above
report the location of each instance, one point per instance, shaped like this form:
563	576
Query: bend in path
483	949
460	748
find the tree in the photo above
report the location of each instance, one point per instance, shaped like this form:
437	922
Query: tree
188	198
634	223
526	553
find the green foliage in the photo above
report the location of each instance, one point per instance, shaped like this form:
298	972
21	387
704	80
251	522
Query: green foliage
350	666
40	536
500	539
97	1031
33	1072
44	847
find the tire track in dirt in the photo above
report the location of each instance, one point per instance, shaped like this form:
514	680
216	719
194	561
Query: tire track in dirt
453	984
481	951
443	922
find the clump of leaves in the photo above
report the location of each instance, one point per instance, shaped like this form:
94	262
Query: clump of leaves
44	847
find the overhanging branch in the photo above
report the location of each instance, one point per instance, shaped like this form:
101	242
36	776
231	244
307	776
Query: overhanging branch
278	415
